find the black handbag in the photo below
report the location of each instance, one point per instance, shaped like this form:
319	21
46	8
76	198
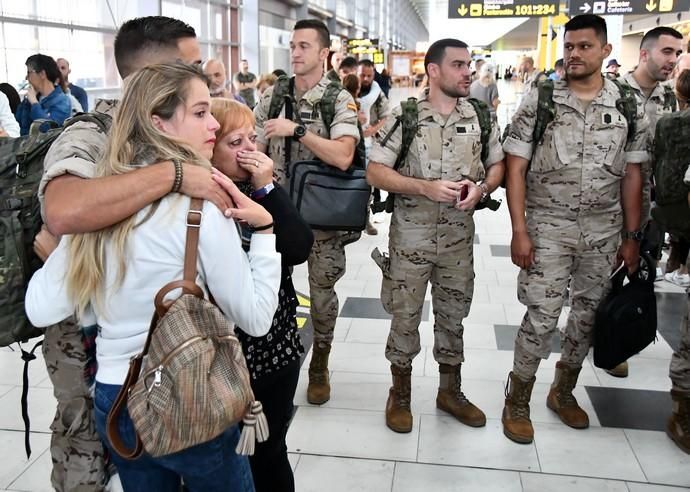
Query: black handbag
625	321
326	197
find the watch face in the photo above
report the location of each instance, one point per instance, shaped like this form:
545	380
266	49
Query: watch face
300	131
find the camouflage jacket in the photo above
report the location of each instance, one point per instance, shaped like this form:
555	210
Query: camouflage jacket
344	124
77	150
574	175
443	149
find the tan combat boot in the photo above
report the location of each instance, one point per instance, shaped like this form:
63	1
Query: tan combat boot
561	399
398	414
620	371
319	390
451	399
517	425
678	425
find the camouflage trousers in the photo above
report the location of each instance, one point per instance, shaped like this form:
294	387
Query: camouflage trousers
326	265
451	274
679	370
75	448
543	288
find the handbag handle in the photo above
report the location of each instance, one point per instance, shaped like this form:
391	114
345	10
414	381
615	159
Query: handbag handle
188	286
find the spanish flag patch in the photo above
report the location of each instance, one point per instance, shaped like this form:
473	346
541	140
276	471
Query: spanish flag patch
352	106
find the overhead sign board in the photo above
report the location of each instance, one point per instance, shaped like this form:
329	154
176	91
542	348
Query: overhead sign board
627	7
470	9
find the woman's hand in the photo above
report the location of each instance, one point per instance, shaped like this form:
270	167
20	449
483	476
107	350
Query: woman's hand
258	165
44	243
245	210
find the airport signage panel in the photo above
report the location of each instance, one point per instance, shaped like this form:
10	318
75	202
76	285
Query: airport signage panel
627	7
472	9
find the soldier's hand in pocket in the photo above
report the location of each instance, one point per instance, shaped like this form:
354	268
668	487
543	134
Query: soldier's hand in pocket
522	250
44	243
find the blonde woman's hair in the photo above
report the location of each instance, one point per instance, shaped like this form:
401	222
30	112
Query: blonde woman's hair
230	115
133	142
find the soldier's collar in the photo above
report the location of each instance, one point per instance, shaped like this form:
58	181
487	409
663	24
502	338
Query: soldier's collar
608	95
657	93
313	95
106	106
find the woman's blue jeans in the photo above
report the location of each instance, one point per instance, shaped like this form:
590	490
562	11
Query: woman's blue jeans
209	467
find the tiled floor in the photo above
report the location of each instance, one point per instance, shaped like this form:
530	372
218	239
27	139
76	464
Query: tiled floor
345	446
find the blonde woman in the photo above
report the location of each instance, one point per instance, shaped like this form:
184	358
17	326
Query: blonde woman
116	272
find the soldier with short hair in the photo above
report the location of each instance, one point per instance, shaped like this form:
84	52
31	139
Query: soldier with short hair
571	193
334	146
444	175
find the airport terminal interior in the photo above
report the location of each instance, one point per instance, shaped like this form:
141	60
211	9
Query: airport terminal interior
344	444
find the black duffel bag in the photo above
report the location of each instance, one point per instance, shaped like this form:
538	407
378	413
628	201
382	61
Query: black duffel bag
625	320
328	198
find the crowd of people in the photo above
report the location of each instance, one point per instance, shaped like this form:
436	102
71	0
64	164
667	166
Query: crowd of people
116	203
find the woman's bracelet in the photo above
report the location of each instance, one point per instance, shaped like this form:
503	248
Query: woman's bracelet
177	184
263	227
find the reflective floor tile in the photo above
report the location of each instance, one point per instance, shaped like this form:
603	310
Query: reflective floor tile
662	461
533	482
13	460
444	440
594	452
41	407
415	477
319	473
350	433
36	478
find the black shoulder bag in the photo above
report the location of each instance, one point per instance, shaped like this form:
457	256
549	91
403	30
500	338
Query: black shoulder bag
326	197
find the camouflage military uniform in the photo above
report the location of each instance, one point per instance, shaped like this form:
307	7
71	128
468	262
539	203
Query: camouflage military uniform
653	108
326	262
76	449
679	371
574	216
432	241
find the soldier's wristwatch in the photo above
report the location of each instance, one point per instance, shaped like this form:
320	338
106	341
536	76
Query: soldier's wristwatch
634	235
485	192
300	131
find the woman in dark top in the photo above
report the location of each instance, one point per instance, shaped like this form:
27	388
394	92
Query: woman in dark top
274	359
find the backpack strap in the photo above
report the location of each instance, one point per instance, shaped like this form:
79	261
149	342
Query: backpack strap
27	357
281	91
546	110
409	119
484	117
670	101
189	286
627	105
327	103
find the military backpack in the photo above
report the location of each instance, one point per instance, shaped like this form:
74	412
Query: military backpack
671	151
21	169
409	119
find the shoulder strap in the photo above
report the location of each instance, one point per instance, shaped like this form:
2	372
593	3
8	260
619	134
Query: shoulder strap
281	90
670	102
627	105
327	103
484	117
546	110
409	119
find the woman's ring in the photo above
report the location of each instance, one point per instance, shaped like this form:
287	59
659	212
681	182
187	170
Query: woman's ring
256	163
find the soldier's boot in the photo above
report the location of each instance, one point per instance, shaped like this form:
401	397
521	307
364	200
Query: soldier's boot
451	399
620	371
678	425
517	425
561	399
319	388
398	414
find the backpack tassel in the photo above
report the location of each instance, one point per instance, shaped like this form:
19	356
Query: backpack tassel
255	429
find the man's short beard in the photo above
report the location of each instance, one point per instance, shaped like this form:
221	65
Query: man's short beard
452	92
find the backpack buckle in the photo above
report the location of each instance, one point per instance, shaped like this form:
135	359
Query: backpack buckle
191	221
